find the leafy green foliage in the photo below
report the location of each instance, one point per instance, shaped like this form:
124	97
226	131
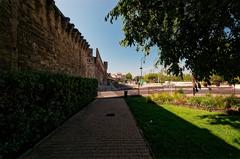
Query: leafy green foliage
203	34
162	98
154	77
214	102
234	81
165	98
216	79
231	101
34	103
151	77
207	102
129	76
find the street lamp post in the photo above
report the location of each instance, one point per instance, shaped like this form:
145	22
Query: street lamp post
141	68
140	80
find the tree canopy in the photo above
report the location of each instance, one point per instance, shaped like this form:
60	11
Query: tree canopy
129	76
204	34
160	77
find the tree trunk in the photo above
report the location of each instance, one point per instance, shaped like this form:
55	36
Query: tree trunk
193	85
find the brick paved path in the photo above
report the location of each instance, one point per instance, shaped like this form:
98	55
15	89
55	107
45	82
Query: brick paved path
92	134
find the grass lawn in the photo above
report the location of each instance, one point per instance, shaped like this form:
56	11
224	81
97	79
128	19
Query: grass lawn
176	132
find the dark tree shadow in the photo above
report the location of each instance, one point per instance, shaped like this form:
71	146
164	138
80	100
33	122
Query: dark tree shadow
237	141
172	137
223	119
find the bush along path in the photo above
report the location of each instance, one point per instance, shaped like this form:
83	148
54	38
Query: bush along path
105	129
229	104
32	104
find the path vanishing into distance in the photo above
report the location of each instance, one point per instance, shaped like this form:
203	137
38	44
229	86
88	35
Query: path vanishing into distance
104	129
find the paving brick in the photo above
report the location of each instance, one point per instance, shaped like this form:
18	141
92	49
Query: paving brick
92	134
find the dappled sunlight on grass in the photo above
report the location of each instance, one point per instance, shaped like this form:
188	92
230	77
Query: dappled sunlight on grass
222	119
227	127
180	132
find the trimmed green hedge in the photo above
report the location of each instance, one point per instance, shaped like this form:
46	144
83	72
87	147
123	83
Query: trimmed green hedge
32	104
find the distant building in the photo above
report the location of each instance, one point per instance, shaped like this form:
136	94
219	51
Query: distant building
117	76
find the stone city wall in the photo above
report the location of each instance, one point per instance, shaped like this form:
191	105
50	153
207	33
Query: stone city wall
97	68
35	35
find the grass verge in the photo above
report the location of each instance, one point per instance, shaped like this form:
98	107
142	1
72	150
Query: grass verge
175	132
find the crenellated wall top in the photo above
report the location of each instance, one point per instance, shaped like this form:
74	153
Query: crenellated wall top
66	25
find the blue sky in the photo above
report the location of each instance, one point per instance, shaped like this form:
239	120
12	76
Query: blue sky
88	16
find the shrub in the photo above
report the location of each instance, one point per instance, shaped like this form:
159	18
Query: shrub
162	98
195	100
208	101
178	95
219	101
34	103
179	98
231	101
232	105
168	98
